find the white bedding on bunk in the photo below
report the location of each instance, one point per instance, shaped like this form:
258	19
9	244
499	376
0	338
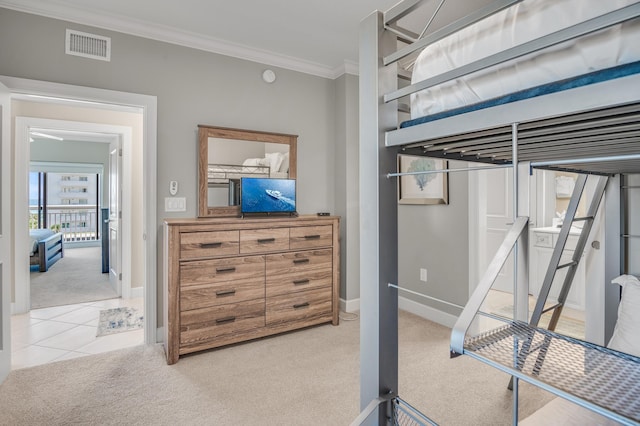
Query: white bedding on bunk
520	23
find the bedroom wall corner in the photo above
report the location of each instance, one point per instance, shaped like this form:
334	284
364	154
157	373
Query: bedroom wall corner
346	186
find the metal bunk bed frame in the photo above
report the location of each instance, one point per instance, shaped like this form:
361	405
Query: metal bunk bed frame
500	135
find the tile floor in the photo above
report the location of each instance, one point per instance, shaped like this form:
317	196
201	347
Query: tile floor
53	334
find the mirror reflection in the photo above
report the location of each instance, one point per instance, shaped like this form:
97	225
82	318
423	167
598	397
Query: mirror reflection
229	160
227	155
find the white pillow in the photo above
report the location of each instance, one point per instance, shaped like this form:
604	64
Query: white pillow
252	162
284	167
275	160
626	335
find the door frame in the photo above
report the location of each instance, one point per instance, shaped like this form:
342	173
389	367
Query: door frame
65	93
22	150
6	233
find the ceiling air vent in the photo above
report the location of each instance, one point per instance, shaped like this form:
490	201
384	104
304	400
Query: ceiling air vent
88	45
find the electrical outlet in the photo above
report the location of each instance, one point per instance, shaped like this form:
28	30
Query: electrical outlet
423	274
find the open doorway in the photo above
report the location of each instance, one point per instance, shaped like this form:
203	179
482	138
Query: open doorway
79	310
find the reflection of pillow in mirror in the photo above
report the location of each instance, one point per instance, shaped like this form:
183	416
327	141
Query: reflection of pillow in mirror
252	162
275	160
626	337
284	167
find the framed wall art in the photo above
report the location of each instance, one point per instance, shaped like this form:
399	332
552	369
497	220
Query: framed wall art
429	188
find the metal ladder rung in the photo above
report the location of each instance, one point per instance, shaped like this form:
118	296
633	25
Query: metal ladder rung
580	219
566	265
556	306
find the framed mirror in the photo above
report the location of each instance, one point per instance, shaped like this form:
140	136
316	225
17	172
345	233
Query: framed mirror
226	155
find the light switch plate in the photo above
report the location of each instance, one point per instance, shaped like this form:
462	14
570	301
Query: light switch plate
175	204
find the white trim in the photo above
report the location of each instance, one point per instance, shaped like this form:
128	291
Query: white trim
170	35
427	312
136	292
160	335
352	305
22	155
148	105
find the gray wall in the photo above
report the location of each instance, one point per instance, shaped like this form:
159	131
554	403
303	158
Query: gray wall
436	237
346	185
193	87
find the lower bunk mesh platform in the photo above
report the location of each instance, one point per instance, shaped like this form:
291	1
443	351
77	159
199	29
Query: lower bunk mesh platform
596	377
405	415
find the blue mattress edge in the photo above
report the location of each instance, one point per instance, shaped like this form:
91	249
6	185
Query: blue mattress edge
544	89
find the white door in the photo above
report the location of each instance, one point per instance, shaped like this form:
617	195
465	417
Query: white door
115	216
5	236
495	218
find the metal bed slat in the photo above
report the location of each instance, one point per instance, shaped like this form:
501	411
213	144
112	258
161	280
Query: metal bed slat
488	147
567	145
582	116
526	136
584	134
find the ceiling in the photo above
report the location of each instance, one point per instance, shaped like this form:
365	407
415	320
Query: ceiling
318	37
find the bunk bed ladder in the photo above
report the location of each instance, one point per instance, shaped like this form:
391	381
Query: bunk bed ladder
572	266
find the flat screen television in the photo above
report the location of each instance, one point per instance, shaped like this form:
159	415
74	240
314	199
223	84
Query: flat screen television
264	195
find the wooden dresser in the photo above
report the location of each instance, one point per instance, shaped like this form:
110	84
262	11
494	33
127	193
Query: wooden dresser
228	280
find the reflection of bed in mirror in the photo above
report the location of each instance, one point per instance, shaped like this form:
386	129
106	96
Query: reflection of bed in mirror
273	165
228	155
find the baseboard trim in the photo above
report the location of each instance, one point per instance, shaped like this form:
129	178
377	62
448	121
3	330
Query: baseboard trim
136	292
352	305
427	312
159	335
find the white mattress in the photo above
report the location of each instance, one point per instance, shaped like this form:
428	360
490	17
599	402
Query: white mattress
520	23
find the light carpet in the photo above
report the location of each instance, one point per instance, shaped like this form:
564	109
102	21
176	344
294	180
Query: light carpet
566	325
307	377
76	278
118	320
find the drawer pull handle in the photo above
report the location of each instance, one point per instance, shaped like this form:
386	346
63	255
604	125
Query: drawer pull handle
312	237
223	270
301	305
223	293
225	320
300	261
301	282
266	240
210	245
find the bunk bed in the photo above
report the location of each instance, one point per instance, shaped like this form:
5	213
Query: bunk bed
581	116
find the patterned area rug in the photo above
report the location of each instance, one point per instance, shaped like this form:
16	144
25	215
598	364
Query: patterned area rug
118	320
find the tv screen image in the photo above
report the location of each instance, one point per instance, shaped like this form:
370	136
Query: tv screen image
264	195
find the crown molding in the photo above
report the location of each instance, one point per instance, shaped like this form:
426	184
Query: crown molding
136	27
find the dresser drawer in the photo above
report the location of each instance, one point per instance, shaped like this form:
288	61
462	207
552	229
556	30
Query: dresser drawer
264	240
299	307
209	244
289	272
304	237
200	325
202	296
215	271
